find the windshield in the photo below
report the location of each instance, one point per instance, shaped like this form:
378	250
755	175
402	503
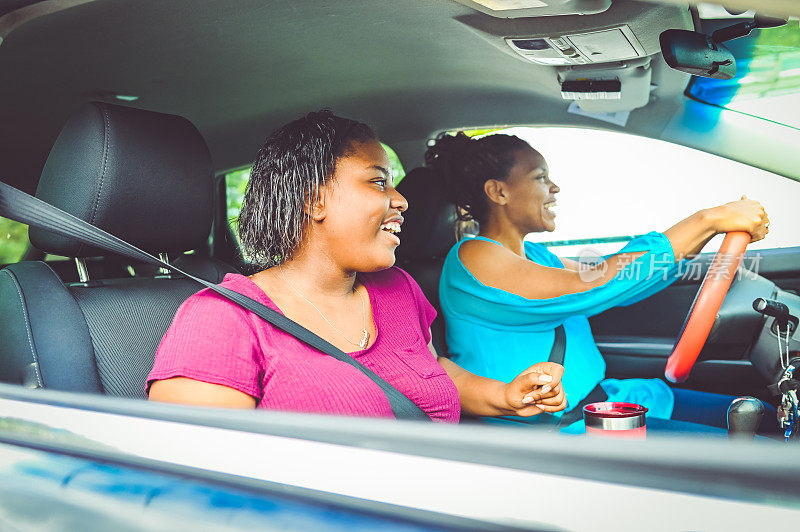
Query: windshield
767	82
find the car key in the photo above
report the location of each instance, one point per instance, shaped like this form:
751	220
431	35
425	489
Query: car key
787	413
783	412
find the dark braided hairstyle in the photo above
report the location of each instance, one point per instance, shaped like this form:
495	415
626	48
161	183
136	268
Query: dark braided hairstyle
295	161
465	164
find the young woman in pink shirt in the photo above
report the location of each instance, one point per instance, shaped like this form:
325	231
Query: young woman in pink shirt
319	218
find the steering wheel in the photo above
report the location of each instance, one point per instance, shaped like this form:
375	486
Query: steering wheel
706	304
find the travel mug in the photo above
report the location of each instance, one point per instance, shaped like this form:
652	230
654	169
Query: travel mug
615	420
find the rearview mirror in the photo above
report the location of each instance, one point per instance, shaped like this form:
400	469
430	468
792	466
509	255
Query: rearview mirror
697	54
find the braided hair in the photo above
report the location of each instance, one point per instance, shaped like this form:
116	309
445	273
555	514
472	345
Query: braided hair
465	164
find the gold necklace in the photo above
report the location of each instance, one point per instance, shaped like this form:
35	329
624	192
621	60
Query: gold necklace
364	333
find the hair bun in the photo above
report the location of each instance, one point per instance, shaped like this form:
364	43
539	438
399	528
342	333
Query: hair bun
465	164
447	149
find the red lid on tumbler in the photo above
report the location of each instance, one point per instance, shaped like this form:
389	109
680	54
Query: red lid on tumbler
614	409
614	416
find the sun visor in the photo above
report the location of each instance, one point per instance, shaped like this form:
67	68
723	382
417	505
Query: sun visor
537	8
623	87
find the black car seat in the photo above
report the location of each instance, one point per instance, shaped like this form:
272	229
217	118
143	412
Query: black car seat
427	235
147	178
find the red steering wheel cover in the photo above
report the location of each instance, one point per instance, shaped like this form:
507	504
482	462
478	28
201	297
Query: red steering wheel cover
706	306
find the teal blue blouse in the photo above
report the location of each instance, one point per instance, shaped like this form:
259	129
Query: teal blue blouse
497	334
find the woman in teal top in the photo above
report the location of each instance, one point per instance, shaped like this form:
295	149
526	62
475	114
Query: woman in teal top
503	297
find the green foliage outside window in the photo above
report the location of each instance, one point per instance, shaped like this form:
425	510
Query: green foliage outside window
13	240
478	132
396	166
235	185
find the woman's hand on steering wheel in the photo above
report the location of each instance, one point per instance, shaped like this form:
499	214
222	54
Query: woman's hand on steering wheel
537	389
743	215
743	221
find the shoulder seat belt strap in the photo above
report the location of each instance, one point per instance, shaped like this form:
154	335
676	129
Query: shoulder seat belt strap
559	346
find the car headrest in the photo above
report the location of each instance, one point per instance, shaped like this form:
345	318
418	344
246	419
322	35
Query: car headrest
429	227
145	177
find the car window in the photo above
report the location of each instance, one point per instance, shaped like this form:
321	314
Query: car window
13	240
236	184
615	186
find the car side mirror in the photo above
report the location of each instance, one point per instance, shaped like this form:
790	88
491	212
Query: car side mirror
697	54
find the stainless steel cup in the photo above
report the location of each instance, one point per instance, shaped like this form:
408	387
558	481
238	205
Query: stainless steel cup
617	420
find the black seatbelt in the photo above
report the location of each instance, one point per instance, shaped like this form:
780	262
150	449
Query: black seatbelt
559	346
24	208
568	418
597	395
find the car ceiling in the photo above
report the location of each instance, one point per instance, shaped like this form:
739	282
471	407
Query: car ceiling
239	69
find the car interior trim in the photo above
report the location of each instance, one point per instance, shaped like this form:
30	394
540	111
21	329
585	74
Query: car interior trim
664	463
351	474
259	487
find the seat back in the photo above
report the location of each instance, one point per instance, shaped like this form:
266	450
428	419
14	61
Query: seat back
147	178
428	234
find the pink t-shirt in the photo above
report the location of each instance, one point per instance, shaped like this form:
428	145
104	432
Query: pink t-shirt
214	340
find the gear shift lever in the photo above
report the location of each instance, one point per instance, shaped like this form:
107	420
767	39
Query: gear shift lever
744	416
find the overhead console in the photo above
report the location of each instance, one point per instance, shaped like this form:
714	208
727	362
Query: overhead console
603	61
613	44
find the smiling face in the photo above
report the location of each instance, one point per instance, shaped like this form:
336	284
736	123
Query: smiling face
360	214
529	194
